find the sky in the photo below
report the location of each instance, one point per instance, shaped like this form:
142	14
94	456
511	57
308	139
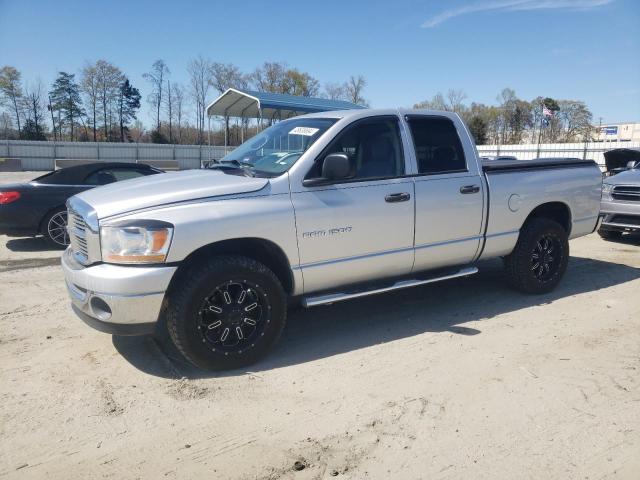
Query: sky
408	50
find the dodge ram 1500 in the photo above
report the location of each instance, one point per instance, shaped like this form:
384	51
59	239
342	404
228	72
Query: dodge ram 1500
316	209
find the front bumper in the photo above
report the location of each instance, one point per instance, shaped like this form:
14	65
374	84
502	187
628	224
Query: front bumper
620	216
121	300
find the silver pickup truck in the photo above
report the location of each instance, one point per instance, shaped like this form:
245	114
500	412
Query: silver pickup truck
315	210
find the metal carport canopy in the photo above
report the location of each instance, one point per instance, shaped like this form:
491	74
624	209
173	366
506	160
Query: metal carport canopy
252	104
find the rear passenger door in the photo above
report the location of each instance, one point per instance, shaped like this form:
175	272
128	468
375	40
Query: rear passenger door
449	195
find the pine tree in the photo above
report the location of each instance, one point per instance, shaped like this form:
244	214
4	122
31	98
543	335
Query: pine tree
65	97
128	104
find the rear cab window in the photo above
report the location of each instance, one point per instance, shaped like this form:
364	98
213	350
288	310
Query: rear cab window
437	145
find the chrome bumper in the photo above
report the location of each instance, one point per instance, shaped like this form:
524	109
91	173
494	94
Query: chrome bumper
613	211
122	300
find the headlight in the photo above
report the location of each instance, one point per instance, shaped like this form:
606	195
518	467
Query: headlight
607	188
135	244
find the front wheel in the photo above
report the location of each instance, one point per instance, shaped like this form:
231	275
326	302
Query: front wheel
227	313
540	257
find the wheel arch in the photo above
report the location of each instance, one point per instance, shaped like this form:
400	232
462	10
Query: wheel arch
557	211
259	249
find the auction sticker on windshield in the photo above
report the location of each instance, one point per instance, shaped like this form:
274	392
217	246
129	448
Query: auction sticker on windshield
306	131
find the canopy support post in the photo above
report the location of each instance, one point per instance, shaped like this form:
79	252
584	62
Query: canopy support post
209	136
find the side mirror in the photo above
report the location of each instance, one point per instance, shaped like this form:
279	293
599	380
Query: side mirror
336	166
631	164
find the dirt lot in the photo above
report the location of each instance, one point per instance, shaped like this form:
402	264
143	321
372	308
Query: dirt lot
464	379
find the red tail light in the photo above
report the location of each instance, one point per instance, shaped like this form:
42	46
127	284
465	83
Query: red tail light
8	197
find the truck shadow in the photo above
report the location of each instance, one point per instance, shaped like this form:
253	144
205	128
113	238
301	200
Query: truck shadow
31	244
324	331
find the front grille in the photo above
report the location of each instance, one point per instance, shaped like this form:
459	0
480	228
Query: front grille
77	228
627	193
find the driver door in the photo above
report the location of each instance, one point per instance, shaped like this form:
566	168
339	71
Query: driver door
362	228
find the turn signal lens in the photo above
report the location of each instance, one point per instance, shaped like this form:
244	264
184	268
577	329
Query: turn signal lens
8	197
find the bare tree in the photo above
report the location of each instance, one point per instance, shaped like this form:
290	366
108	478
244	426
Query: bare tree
5	123
354	88
11	89
159	71
179	104
109	78
200	81
225	76
436	103
456	98
169	104
89	85
334	91
34	106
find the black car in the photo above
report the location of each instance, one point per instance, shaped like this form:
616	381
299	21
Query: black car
38	207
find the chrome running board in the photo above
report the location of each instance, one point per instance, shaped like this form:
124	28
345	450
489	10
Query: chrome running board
339	297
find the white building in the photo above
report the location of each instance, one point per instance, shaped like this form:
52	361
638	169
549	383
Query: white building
617	132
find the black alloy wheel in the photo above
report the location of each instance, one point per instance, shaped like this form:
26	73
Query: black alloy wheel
233	316
545	258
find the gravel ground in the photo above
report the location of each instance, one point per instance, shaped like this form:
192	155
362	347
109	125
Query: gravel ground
462	379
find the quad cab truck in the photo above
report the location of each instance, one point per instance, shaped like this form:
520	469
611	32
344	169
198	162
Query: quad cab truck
316	210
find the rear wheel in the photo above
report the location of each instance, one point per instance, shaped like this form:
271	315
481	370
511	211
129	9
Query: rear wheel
54	228
609	234
227	313
540	257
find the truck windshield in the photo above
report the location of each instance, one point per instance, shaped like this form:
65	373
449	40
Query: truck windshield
274	150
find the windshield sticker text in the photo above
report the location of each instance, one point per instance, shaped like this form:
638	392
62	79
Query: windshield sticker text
306	131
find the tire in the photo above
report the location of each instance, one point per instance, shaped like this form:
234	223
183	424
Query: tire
610	234
54	228
226	313
540	257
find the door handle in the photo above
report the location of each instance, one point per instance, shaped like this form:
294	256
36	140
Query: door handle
397	197
469	189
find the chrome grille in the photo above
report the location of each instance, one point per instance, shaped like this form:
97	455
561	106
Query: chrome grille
77	229
627	193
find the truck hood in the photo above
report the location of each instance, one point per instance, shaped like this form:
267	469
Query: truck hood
167	188
628	177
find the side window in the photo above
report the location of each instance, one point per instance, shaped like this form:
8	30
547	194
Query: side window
100	177
437	145
127	173
374	146
106	176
